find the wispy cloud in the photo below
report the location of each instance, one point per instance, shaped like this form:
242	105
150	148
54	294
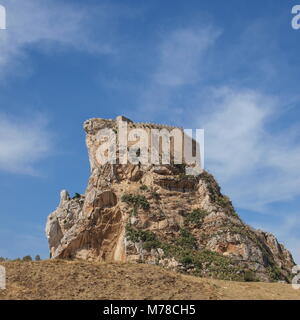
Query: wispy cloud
182	55
51	26
257	165
23	143
181	61
47	26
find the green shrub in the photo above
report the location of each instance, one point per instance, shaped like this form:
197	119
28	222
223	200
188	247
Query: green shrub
224	202
148	238
155	195
37	258
132	234
136	235
249	276
76	196
152	244
187	259
133	212
27	258
143	187
275	273
205	262
138	201
186	239
196	217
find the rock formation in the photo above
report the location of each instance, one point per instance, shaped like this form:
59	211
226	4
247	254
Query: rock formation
158	214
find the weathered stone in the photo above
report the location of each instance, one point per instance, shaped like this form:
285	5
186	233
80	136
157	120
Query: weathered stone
97	225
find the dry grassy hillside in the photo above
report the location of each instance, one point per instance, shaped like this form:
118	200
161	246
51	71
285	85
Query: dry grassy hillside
58	279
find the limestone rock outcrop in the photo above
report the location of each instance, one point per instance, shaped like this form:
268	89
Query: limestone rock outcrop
160	215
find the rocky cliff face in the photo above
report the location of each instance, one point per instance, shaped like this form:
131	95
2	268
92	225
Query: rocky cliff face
160	215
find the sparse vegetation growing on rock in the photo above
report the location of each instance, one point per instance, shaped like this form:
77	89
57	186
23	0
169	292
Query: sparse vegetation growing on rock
186	239
148	238
205	263
158	201
155	195
76	196
186	260
196	217
138	201
211	185
27	258
275	273
143	187
249	276
215	193
133	212
224	202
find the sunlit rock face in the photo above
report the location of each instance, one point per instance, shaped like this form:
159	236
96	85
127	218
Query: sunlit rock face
160	215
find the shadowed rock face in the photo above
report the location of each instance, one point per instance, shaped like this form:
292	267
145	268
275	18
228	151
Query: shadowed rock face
160	215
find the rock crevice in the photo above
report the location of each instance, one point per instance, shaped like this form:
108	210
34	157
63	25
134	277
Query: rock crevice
159	215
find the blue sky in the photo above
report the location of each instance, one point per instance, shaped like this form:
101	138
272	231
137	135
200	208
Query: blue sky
230	67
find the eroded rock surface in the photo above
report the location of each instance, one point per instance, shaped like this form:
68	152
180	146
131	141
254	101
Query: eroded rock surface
160	215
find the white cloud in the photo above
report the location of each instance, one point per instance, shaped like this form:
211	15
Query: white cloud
181	54
23	143
255	165
49	25
181	59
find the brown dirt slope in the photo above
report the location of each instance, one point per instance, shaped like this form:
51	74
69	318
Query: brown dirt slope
58	279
